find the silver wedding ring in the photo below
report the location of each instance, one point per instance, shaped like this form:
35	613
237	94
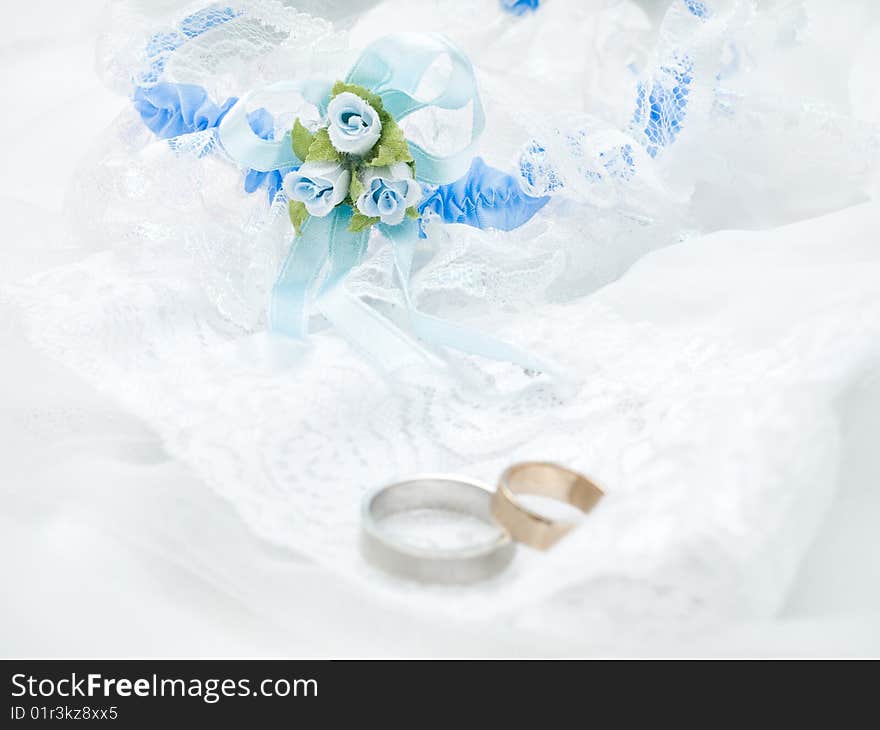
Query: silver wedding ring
457	565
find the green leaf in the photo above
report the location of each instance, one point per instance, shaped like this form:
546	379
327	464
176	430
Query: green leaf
391	147
301	140
356	187
321	149
412	212
361	222
298	214
374	100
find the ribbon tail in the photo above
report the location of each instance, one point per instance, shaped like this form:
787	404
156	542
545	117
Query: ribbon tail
289	300
438	331
346	248
328	239
361	325
368	331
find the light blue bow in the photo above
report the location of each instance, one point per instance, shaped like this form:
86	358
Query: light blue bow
393	68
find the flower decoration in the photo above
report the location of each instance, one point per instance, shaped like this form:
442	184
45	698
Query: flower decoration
387	193
351	172
318	186
355	171
357	157
355	126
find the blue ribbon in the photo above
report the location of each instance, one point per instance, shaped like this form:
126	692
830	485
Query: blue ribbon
484	198
320	240
520	7
393	68
442	331
171	110
251	150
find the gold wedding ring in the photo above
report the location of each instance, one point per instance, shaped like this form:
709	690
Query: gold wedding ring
546	480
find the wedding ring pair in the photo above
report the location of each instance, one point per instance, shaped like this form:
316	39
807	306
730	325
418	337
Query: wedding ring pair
512	521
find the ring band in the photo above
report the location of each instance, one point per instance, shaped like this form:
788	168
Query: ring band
433	565
546	480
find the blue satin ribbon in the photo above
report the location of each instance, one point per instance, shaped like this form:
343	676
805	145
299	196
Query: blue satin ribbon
393	68
320	240
484	198
171	110
246	147
438	331
520	7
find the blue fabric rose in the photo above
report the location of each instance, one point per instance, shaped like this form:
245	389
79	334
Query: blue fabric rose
319	185
355	126
388	192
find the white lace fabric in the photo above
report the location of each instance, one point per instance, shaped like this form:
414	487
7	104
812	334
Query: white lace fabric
716	444
704	384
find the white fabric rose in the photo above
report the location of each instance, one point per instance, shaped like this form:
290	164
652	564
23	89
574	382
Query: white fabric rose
388	192
355	126
320	185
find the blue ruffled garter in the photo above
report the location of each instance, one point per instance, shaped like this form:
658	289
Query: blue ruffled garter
484	198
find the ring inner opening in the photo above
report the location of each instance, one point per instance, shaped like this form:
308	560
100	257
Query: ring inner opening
549	480
436	514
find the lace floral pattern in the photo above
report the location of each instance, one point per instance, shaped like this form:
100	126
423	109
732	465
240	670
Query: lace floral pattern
690	433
